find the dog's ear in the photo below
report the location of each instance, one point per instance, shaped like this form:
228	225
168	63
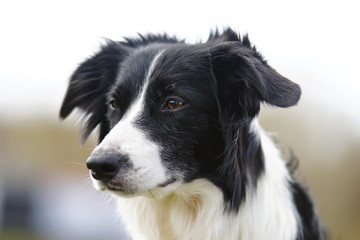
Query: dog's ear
89	85
244	80
241	68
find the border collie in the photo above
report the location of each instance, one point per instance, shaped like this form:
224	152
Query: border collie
179	141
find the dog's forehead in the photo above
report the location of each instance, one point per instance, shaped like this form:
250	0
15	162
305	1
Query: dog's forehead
134	69
163	64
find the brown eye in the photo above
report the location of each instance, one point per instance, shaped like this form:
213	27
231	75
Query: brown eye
173	104
114	104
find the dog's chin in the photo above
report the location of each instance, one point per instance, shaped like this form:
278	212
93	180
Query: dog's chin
158	191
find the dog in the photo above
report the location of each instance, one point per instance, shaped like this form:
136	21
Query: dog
179	140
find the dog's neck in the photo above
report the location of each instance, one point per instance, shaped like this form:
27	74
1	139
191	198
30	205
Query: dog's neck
196	210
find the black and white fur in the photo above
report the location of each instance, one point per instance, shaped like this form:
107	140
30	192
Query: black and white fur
204	169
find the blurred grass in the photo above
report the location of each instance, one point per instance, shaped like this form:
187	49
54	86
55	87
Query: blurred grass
43	147
19	235
328	149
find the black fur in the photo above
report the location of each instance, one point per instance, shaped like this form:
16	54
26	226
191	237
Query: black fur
309	219
149	39
89	85
222	81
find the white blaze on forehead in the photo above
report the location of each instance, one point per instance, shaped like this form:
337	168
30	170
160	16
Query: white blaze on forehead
126	138
138	105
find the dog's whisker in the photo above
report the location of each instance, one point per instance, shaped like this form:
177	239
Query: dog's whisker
86	182
107	200
78	163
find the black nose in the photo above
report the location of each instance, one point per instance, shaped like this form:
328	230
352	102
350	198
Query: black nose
104	166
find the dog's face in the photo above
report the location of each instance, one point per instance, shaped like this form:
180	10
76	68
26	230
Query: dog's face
162	115
167	110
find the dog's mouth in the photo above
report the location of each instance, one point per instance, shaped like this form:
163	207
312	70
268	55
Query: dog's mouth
127	190
168	182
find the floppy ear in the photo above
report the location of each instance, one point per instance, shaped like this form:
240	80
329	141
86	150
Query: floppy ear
241	66
89	85
243	80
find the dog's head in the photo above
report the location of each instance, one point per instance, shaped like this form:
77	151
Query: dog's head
170	112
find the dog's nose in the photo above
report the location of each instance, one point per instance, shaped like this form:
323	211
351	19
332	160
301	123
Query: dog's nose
104	167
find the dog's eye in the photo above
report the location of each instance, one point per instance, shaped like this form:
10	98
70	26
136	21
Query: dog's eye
114	104
173	104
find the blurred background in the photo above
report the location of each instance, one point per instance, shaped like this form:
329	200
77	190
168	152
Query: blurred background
45	191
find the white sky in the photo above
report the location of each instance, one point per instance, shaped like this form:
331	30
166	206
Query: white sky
314	43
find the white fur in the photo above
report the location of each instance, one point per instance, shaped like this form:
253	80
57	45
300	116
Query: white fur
196	210
270	213
144	155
